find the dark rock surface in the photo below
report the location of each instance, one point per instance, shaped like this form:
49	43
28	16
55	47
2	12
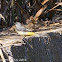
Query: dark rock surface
47	48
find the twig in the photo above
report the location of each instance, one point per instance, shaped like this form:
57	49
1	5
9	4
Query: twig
45	1
22	9
2	56
40	12
19	44
10	56
7	50
49	31
58	9
7	7
32	5
51	9
54	7
59	0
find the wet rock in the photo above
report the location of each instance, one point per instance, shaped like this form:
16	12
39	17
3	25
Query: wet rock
47	48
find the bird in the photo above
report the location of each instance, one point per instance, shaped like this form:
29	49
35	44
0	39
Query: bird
21	30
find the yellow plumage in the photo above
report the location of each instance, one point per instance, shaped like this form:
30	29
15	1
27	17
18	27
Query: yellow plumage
21	30
25	33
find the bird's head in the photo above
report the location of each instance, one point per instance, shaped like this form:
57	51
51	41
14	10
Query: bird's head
17	24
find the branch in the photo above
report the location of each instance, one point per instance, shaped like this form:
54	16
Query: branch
45	1
54	7
2	56
40	12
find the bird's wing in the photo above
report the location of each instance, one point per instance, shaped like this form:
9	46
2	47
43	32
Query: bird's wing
22	28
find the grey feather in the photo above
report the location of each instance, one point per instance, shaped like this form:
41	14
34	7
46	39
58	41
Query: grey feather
19	27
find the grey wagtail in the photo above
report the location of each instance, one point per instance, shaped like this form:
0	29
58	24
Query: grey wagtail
21	30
